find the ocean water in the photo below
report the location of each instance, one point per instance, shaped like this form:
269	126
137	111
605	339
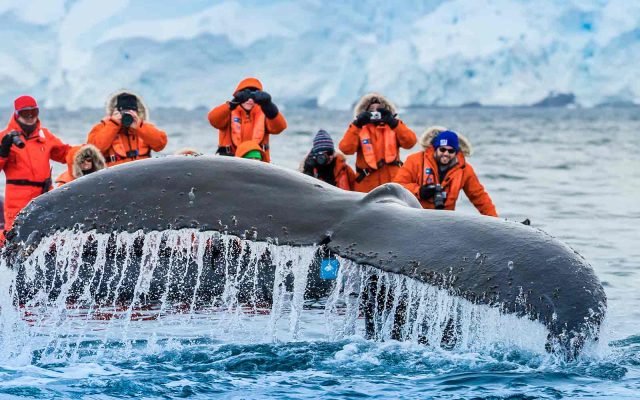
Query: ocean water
574	173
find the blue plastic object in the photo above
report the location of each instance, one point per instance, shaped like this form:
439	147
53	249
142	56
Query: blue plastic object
329	268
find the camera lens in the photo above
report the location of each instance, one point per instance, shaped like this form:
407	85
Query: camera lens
322	159
18	142
127	120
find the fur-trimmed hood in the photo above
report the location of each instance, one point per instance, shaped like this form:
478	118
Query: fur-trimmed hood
143	111
431	132
79	153
370	98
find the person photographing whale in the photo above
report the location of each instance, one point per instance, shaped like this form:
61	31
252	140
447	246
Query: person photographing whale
324	163
25	150
250	115
376	135
438	173
124	134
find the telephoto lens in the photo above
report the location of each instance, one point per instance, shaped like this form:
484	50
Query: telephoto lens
127	119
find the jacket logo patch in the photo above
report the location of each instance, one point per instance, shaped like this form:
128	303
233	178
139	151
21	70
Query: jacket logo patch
428	171
365	141
236	120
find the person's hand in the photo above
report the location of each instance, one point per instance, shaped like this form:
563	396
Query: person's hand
427	191
239	98
116	117
7	142
388	118
362	119
262	98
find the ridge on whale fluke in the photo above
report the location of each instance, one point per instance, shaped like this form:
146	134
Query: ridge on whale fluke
482	261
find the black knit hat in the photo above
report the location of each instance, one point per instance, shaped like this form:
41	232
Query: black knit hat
126	101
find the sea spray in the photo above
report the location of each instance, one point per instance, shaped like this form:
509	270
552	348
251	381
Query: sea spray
118	289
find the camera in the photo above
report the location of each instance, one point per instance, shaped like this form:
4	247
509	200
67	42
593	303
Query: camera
375	116
16	140
439	197
127	119
321	159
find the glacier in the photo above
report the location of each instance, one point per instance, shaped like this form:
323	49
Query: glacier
73	53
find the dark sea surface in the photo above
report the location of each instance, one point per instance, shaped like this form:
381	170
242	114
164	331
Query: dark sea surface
575	173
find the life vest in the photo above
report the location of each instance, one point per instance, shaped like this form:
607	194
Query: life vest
233	135
368	151
127	146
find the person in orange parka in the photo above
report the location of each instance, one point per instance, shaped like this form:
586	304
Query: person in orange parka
125	134
324	163
437	174
376	135
25	151
250	115
251	150
81	160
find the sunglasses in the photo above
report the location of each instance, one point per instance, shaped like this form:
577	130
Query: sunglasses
31	113
446	150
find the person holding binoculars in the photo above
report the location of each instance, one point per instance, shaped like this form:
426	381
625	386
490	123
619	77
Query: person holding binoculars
437	174
376	135
250	115
324	163
25	150
125	134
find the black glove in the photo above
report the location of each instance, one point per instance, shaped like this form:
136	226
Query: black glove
7	141
427	191
239	98
262	98
362	119
388	118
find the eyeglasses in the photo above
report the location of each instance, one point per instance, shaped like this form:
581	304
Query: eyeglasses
447	150
29	113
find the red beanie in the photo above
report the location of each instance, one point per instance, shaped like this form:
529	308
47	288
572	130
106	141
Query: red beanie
25	103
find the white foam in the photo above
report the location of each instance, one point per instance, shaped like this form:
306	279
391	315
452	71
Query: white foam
48	323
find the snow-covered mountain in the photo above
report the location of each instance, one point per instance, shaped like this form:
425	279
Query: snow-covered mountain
74	53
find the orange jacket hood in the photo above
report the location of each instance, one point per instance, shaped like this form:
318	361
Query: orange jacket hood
78	153
248	146
248	83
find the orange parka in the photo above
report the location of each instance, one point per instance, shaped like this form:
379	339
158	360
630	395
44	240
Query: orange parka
28	170
238	125
377	146
120	144
422	169
74	162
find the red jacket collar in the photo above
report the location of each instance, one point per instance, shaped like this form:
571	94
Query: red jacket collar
15	126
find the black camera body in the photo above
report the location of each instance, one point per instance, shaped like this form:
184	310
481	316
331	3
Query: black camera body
318	160
127	119
375	116
17	141
321	159
439	197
